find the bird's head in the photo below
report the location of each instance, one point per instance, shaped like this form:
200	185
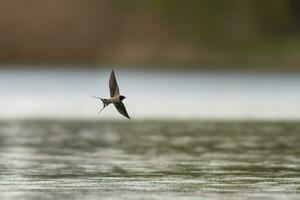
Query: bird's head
122	97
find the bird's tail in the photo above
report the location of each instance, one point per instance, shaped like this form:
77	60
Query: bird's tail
104	101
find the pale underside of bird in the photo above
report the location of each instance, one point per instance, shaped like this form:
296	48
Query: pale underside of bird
116	98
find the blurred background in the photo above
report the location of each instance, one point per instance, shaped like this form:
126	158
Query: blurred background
212	88
200	34
210	56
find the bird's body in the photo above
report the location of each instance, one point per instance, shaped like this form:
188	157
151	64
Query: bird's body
116	98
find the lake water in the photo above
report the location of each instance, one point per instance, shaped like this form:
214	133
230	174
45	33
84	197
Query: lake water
193	135
150	94
149	160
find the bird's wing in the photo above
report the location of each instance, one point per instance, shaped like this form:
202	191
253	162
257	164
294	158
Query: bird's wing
121	108
113	85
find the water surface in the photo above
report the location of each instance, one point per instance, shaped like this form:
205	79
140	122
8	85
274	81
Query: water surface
150	94
149	160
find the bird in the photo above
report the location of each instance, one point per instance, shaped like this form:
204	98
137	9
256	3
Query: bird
115	97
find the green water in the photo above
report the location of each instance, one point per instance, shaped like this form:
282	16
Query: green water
149	160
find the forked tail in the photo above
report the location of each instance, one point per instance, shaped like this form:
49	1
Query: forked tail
104	101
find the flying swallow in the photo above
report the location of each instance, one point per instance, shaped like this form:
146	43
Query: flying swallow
116	98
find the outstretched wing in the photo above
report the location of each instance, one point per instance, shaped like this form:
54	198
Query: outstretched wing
121	108
113	85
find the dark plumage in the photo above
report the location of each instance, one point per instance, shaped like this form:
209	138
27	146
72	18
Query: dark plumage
116	98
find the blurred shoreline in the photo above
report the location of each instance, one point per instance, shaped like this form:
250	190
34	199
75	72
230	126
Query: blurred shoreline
158	33
148	67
